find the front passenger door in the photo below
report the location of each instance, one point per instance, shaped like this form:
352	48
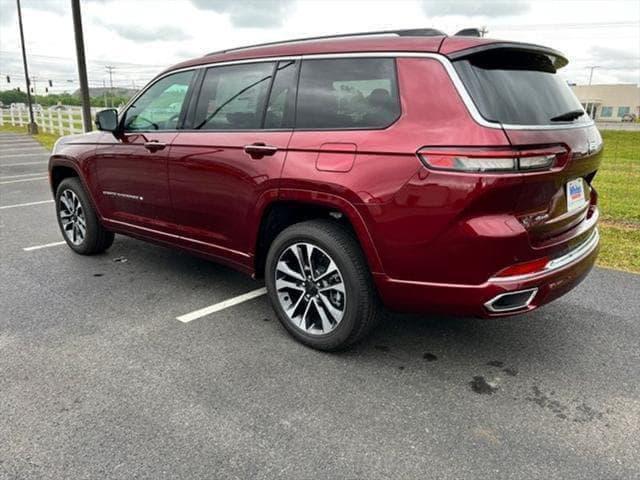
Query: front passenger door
131	166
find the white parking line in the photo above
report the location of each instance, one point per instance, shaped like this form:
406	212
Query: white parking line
20	151
47	245
24	180
21	164
23	175
187	317
46	152
25	204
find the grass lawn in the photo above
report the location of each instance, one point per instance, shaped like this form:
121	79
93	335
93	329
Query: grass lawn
618	179
618	185
619	247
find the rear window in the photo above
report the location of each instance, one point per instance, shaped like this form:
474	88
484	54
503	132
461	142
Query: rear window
347	93
518	88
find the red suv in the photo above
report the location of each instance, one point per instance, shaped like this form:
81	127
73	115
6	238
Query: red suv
410	169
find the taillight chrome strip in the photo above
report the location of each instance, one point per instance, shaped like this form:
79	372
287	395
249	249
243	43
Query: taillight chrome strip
575	255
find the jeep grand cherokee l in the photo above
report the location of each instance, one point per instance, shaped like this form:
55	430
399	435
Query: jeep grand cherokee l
408	169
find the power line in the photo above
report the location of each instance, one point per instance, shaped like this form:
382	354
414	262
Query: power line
69	59
542	26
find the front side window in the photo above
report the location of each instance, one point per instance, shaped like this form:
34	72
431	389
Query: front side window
606	111
159	107
233	97
347	93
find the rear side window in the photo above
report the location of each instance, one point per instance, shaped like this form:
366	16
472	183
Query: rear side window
518	88
347	93
233	97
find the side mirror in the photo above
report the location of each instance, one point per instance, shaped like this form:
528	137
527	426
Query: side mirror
107	120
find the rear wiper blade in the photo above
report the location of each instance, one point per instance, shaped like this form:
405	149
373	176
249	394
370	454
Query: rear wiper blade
567	117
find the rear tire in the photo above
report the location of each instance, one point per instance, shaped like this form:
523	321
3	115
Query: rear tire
78	221
325	299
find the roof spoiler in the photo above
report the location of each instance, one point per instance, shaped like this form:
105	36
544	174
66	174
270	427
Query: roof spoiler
558	59
468	32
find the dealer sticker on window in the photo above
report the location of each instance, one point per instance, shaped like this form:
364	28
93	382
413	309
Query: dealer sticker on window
575	194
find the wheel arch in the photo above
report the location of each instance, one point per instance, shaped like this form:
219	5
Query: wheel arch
62	167
293	206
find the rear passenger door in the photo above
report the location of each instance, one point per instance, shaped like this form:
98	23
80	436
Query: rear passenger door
346	113
229	156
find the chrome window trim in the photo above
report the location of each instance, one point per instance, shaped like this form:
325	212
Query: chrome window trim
444	61
575	255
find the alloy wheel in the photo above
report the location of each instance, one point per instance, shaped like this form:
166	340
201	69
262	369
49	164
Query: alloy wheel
310	288
72	218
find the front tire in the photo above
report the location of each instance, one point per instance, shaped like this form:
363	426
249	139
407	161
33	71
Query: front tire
320	286
78	221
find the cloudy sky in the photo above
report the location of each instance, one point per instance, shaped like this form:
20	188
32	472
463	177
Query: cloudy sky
141	37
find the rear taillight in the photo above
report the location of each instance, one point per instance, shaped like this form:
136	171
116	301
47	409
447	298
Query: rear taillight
492	160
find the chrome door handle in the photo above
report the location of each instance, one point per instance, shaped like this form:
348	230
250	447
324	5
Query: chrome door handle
154	146
258	150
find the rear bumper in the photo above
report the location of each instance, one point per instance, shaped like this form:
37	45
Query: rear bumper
557	278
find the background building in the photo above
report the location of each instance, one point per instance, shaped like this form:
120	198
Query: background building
609	103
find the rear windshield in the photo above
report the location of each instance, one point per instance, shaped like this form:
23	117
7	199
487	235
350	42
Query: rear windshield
518	88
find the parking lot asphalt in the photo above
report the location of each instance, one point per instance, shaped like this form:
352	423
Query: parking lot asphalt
98	378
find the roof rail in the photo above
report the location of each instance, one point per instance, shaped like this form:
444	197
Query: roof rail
414	32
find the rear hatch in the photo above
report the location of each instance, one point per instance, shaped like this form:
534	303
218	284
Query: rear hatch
518	87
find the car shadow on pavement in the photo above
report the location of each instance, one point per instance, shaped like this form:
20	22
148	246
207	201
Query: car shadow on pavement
541	337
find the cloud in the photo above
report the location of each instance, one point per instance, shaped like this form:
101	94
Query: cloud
55	6
609	56
622	64
474	8
249	13
136	33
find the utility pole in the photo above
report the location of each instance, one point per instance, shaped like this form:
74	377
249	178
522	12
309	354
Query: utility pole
110	69
82	65
483	31
104	92
592	68
33	127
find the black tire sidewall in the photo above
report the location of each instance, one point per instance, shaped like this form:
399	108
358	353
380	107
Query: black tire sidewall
91	238
355	291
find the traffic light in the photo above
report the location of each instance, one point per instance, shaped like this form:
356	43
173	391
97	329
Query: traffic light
8	79
46	89
50	83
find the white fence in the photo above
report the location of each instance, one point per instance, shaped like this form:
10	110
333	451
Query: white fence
57	121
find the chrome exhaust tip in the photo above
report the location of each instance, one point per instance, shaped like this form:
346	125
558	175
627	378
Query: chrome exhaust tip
511	301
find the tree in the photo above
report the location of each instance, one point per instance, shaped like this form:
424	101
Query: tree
8	97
